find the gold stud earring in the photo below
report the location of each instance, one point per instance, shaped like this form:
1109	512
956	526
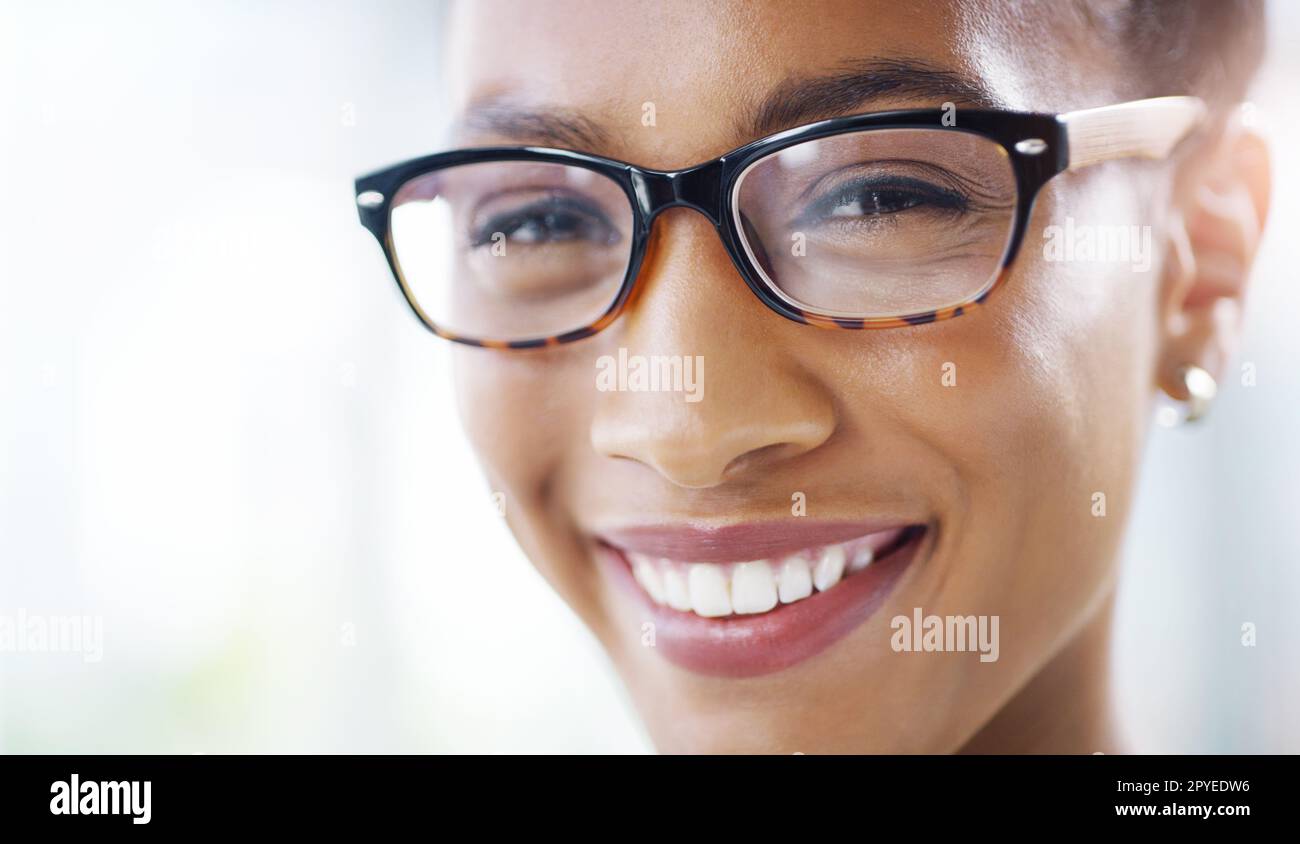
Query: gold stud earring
1201	390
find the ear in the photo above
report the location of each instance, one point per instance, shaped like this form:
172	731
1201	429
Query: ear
1221	203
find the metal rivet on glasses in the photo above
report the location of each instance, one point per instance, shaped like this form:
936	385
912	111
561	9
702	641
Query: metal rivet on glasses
1031	146
370	199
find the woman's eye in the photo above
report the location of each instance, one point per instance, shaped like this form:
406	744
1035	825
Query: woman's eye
868	199
874	202
549	220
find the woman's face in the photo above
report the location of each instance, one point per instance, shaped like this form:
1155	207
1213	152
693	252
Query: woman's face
988	459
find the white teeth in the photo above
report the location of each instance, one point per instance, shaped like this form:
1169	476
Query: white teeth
647	574
676	590
709	593
861	559
713	590
796	580
830	567
753	589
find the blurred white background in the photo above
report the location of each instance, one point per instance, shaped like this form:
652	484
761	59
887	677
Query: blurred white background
223	432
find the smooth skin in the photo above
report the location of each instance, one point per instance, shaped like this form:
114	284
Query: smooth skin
1055	375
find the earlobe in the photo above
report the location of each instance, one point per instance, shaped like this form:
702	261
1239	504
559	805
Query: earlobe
1213	236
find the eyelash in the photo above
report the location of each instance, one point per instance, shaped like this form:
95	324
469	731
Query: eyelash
925	194
511	221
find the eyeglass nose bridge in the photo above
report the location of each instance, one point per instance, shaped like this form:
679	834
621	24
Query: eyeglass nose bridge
698	188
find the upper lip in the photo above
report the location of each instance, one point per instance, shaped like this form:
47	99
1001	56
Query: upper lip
741	542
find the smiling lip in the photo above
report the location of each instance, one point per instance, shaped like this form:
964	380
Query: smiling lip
746	645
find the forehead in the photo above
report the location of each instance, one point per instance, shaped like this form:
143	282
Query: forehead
705	66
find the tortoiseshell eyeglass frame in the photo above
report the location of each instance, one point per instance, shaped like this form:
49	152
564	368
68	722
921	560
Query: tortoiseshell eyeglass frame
1038	147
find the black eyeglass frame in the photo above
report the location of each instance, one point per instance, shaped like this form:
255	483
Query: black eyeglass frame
1038	146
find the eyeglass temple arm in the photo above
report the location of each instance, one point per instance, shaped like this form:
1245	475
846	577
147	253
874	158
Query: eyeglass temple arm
1138	129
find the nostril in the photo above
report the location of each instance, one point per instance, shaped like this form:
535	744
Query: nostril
757	458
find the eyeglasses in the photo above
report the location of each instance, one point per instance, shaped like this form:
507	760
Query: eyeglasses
872	221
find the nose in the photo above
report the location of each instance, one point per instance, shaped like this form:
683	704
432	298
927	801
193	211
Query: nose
755	406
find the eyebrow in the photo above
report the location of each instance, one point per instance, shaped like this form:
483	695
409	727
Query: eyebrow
557	127
850	89
854	86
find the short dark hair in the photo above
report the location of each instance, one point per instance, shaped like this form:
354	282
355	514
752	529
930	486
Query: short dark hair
1210	48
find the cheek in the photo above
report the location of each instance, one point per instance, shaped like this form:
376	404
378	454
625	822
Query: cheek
527	417
522	413
1076	336
1027	409
1047	385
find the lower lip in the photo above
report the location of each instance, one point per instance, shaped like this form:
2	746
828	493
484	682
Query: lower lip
751	645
